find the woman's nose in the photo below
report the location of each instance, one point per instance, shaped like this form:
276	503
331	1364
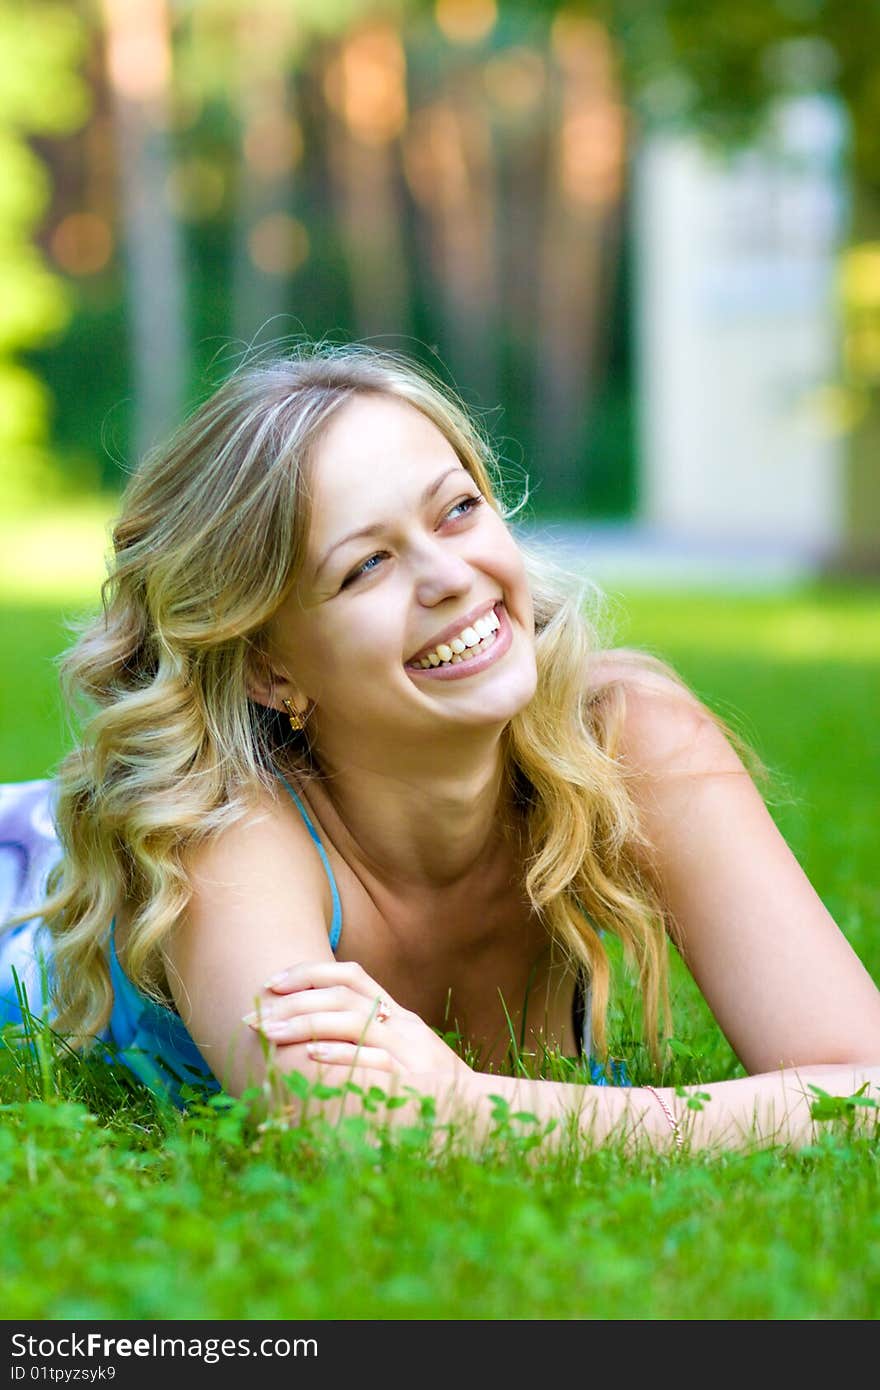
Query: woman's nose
440	573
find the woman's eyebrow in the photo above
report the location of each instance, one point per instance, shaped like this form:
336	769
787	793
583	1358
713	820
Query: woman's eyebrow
377	526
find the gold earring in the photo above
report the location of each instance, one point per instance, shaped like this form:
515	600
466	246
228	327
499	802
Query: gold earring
297	720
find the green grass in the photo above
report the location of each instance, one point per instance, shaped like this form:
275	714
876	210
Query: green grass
111	1219
115	1208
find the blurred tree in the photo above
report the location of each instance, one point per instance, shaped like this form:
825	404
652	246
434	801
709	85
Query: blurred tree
713	68
363	81
137	37
269	243
453	162
41	93
580	248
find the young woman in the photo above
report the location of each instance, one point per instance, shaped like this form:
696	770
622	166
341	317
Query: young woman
360	776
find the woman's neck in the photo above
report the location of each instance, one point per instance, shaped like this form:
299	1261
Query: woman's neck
407	831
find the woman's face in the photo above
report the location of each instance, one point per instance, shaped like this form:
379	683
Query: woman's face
437	557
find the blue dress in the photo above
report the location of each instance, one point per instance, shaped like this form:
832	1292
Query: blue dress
144	1036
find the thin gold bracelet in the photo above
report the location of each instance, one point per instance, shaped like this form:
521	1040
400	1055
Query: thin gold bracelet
673	1122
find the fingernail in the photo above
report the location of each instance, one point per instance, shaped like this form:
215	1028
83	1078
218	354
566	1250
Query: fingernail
274	1029
278	979
258	1017
318	1051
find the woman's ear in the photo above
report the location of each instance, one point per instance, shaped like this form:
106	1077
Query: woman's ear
271	688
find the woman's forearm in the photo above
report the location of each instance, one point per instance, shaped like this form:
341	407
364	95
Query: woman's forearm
755	1111
749	1112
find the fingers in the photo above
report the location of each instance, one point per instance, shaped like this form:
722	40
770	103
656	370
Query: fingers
302	1002
350	1055
337	1025
322	974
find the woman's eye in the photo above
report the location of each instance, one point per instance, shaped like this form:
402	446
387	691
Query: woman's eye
471	503
468	504
366	568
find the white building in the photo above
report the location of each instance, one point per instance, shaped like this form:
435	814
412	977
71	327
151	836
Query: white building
737	335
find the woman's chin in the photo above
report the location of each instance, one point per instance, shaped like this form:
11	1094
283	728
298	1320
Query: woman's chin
494	700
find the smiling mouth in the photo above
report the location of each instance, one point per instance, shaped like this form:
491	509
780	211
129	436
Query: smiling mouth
462	643
469	661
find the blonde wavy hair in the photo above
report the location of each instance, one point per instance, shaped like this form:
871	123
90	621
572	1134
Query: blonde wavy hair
209	541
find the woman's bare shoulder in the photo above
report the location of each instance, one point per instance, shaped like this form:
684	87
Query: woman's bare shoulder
662	721
265	842
260	814
265	858
632	667
259	901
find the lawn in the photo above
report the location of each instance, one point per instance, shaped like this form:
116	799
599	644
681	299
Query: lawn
116	1209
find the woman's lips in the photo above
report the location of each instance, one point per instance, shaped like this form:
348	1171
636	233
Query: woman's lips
474	664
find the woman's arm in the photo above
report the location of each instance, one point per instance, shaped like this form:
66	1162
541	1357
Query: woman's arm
784	984
259	900
328	1012
750	1112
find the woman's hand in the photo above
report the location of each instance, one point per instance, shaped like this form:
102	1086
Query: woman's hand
344	1018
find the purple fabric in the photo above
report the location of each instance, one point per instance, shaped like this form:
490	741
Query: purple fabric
146	1038
28	849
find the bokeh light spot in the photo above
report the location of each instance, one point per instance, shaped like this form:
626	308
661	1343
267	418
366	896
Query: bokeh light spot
82	243
366	84
278	244
514	80
195	189
138	50
273	144
860	275
465	21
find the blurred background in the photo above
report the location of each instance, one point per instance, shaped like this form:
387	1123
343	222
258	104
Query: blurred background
640	237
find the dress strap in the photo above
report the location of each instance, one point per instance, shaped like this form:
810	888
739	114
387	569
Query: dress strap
336	924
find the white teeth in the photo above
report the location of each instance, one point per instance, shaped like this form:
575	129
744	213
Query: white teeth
457	658
467	643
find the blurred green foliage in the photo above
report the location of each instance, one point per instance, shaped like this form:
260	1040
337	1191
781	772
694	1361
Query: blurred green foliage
713	67
42	92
